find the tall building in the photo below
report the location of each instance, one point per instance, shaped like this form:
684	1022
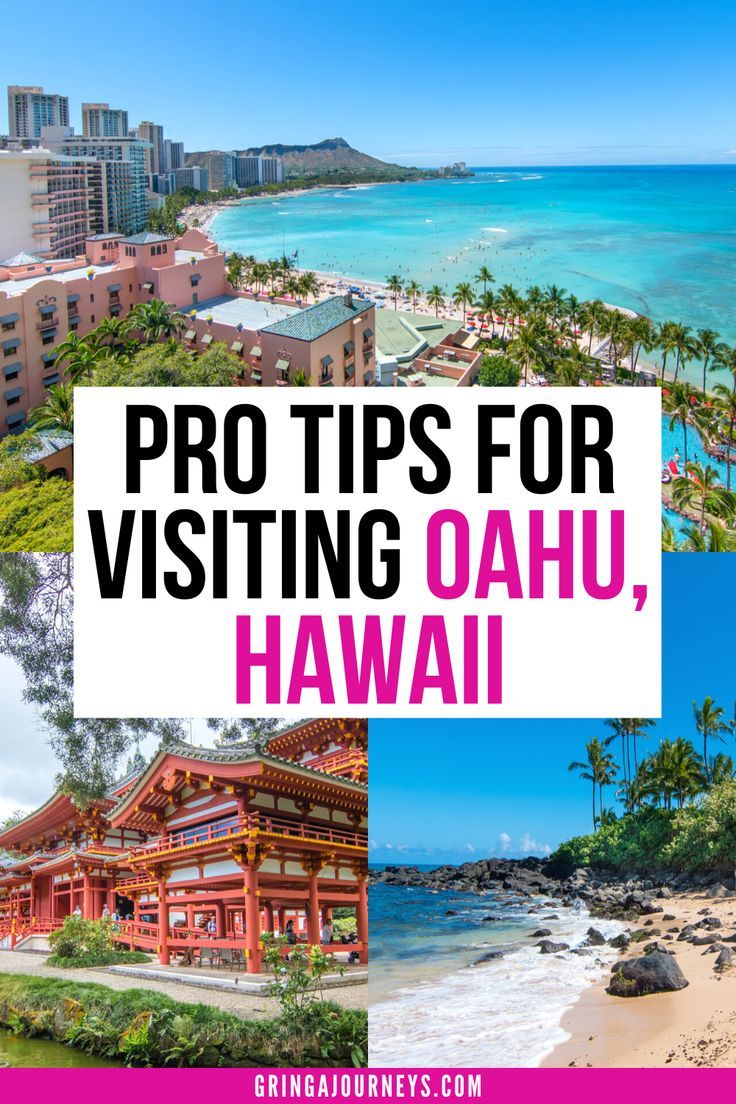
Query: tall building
247	171
253	169
271	170
99	120
154	155
30	109
221	170
173	155
51	203
123	173
195	176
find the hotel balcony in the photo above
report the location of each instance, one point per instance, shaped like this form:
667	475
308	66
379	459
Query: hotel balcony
209	837
47	323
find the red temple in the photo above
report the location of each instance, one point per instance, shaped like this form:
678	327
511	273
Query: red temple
205	850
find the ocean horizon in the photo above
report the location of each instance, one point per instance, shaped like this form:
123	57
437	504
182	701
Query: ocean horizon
660	240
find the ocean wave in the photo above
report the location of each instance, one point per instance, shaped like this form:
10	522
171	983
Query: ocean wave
507	1013
495	230
536	176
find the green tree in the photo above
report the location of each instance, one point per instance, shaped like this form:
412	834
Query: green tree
463	297
485	277
156	320
711	724
413	290
706	346
435	298
57	411
394	285
498	371
701	487
598	769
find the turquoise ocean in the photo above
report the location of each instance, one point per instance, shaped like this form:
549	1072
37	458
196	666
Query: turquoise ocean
658	240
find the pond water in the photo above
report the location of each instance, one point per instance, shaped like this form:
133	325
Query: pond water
19	1052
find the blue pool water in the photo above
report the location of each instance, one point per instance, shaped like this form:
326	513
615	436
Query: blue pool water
660	240
673	440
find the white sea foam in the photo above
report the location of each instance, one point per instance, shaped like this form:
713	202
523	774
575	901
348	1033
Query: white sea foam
534	176
495	230
505	1013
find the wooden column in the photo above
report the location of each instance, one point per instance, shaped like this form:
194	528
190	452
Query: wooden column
362	915
163	924
326	914
252	919
268	921
86	898
313	924
190	916
219	919
282	920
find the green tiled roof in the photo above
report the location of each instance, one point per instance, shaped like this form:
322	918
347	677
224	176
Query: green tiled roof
313	322
147	237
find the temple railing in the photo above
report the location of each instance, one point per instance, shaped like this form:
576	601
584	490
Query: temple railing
261	823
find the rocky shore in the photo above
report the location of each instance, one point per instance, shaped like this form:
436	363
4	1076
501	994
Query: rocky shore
678	934
606	893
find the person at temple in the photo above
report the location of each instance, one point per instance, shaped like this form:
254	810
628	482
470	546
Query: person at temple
77	911
105	912
289	933
327	934
211	926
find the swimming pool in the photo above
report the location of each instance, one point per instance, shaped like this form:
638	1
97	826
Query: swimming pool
673	440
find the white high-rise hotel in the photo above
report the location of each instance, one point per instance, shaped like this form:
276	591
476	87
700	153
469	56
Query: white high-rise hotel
30	109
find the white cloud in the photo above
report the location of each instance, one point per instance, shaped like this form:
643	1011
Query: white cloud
525	845
469	847
529	846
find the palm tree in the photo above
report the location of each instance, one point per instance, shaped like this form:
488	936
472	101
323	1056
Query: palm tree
394	284
554	302
665	341
706	347
702	485
639	335
670	543
616	329
627	729
507	302
589	315
678	403
710	723
112	331
721	769
597	769
685	346
81	357
57	410
711	537
525	349
486	306
485	277
463	297
435	298
310	284
155	320
413	290
274	272
573	366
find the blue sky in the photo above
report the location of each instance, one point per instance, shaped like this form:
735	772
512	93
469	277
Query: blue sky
449	791
525	83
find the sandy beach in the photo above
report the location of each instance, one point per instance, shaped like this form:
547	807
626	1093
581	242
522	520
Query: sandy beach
693	1027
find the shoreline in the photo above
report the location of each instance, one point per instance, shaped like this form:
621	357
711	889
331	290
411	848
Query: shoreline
685	1029
335	277
684	921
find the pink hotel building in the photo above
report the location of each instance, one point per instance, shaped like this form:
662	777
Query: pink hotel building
41	301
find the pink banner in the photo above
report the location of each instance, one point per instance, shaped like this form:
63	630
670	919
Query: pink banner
604	1086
